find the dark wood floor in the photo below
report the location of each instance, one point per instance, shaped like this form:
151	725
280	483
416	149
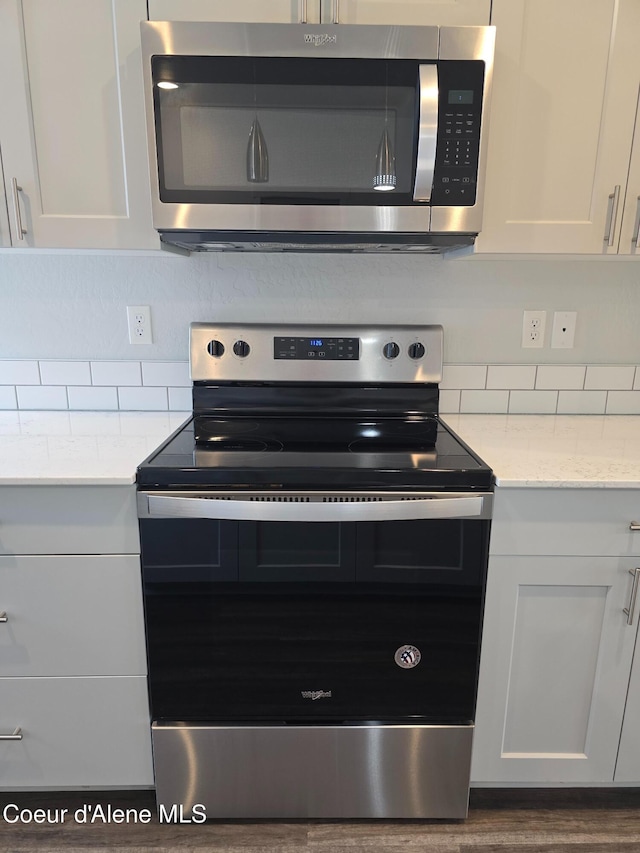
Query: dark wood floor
500	821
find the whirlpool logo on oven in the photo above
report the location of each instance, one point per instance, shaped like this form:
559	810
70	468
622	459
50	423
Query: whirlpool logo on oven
316	694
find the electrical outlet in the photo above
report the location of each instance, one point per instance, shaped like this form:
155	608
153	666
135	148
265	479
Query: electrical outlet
564	329
139	323
533	326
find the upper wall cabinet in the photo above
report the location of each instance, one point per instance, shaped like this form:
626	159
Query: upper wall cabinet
72	132
407	12
260	11
564	104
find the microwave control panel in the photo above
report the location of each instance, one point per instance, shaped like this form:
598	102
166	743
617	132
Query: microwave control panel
458	141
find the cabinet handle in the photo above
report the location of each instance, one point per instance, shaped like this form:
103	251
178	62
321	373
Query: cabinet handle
17	735
629	611
635	525
612	215
3	616
16	204
303	11
636	237
336	12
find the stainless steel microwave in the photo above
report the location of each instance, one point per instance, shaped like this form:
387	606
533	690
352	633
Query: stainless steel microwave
292	137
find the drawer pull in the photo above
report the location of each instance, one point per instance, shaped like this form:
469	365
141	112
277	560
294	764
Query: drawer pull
629	611
3	616
17	735
635	525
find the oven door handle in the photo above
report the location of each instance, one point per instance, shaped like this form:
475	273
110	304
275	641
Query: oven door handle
275	509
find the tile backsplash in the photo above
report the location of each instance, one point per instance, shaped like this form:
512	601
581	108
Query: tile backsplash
466	388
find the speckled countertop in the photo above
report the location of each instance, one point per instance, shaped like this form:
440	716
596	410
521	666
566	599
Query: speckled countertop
571	451
79	448
557	451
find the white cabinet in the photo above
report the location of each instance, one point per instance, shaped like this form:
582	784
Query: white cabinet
242	11
72	128
407	12
557	646
563	111
72	649
628	766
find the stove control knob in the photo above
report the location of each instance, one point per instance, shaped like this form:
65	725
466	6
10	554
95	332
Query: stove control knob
215	348
416	350
391	350
241	349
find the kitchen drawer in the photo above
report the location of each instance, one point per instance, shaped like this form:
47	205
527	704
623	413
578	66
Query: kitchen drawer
72	615
68	520
565	522
76	732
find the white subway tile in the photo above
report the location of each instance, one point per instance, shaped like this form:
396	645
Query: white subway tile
180	399
636	384
487	402
522	376
116	373
533	402
175	373
623	403
42	397
92	398
449	401
143	399
560	377
8	397
21	372
617	377
582	402
65	373
457	376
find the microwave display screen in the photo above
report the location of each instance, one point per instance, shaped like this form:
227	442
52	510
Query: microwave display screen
460	96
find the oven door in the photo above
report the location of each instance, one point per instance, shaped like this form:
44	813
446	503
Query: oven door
305	608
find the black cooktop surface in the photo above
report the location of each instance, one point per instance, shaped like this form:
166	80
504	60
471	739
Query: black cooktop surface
318	453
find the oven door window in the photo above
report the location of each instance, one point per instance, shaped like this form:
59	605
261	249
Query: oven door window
283	131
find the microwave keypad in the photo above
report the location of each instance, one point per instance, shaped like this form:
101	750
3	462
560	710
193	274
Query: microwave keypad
456	160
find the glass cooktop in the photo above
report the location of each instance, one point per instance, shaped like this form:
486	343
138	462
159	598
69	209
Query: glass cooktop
315	453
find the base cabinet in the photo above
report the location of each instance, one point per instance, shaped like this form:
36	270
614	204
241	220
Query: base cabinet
557	687
74	708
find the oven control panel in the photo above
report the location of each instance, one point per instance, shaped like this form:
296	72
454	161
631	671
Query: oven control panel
226	352
316	347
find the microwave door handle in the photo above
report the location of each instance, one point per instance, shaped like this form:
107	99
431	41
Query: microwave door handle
435	507
427	132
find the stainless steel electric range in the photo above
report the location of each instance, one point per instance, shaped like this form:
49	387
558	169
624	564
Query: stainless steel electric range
314	550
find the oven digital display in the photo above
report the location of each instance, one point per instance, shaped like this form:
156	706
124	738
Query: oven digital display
327	349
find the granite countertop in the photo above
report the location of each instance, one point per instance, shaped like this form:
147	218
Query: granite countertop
555	451
79	448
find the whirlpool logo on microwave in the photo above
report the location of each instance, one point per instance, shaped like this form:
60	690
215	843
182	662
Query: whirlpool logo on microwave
316	694
320	40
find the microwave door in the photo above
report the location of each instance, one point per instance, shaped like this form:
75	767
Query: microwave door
427	132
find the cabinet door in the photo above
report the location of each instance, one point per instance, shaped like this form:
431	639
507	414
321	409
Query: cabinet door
71	616
259	11
555	661
72	123
563	107
5	236
628	764
407	12
630	235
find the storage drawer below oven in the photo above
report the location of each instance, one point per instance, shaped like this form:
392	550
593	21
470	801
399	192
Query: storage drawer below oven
338	771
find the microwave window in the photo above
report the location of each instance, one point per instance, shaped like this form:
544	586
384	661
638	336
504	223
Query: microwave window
277	137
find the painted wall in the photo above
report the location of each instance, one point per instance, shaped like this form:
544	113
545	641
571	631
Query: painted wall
72	306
